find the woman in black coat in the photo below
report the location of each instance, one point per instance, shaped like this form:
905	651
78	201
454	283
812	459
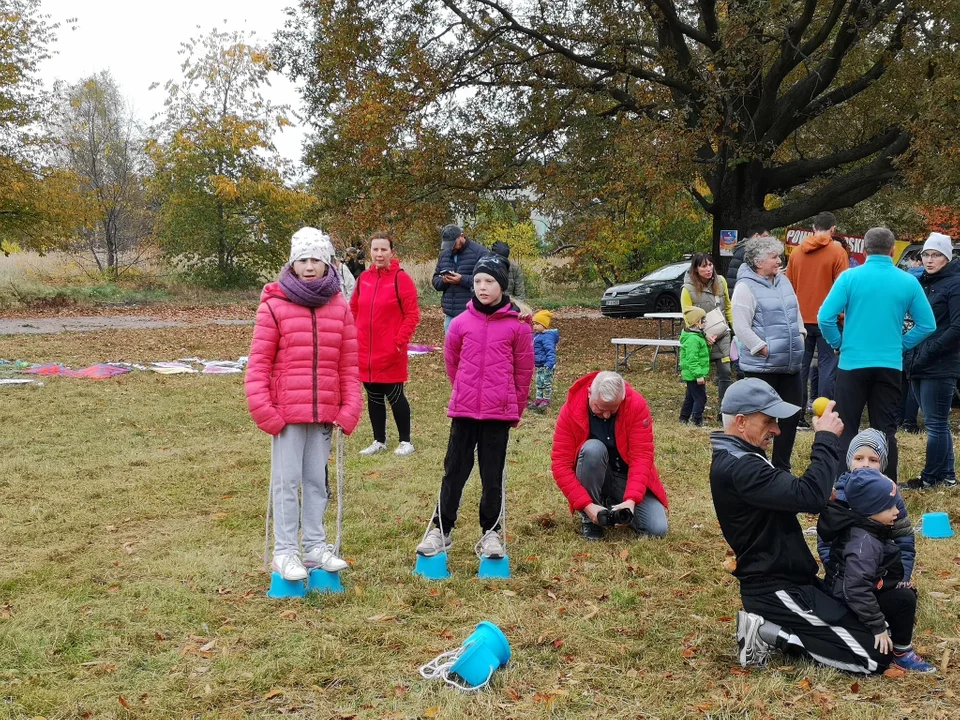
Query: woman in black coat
934	365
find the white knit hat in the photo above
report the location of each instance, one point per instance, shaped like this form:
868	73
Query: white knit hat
941	243
308	242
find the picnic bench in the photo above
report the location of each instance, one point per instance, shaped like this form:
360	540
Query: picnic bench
625	348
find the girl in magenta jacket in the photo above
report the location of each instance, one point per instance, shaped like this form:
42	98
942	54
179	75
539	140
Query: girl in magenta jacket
489	357
302	379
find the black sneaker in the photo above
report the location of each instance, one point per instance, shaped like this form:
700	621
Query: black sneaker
589	529
803	424
950	482
921	484
911	429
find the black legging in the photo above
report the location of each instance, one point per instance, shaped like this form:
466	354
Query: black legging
378	394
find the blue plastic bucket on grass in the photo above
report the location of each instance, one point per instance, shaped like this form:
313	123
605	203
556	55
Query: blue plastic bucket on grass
281	589
936	525
494	568
492	636
432	568
323	581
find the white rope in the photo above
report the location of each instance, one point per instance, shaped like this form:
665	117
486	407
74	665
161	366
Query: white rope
266	527
438	516
439	668
502	519
340	451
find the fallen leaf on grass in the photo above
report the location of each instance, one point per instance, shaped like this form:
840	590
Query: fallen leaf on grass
399	690
123	701
512	694
381	617
288	614
804	684
6	611
209	646
944	660
624	554
704	707
690	652
159	637
894	672
431	712
855	688
220	516
509	593
128	548
276	692
446	634
739	671
724	618
558	643
593	611
551	595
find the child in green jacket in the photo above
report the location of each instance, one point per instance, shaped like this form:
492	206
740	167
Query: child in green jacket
694	366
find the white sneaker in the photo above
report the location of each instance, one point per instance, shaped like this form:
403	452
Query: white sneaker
434	543
323	557
289	566
491	546
404	448
374	447
752	650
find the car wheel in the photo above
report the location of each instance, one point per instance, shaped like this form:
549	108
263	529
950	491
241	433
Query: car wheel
667	303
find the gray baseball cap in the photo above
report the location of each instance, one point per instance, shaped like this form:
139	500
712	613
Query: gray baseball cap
753	395
449	235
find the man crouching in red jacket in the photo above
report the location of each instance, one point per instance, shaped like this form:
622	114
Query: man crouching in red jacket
602	457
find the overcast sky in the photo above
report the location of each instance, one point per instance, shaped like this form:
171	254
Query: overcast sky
138	43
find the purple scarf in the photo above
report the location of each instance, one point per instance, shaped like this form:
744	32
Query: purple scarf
315	293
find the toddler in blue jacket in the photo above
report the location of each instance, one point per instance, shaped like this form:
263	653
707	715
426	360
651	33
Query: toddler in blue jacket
544	358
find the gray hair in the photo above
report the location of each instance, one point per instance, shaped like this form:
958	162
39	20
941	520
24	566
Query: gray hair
728	420
878	241
608	387
758	249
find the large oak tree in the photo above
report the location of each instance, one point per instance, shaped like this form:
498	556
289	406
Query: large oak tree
764	110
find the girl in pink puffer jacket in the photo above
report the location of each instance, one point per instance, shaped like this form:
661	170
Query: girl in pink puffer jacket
489	356
302	379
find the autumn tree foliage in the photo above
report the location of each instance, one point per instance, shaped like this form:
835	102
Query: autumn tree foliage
225	211
815	102
29	204
102	145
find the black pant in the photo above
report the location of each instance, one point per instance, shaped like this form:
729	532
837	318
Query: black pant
489	438
377	396
820	627
694	402
790	389
899	607
877	389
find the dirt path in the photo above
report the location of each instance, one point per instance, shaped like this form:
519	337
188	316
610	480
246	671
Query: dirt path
46	325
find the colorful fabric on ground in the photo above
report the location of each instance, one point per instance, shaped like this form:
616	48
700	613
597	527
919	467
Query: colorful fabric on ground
99	371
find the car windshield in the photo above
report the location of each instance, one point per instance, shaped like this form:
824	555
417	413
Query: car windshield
668	272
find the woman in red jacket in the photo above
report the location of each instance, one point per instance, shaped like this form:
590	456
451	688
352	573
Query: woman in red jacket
301	381
385	310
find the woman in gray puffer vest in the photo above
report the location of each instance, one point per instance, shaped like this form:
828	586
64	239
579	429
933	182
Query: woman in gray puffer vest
770	332
704	288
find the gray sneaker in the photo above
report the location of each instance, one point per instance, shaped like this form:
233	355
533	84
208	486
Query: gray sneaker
752	650
491	546
434	543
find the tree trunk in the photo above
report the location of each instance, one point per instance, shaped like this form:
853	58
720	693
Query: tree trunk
737	204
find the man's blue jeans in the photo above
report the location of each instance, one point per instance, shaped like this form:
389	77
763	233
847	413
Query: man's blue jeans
826	364
936	397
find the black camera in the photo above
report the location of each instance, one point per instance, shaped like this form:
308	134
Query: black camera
608	517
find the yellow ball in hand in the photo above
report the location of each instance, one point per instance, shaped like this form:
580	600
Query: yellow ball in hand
820	406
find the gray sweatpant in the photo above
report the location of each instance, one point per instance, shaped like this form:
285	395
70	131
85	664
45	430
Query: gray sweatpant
298	463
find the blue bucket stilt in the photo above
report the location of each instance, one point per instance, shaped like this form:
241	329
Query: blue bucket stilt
280	588
936	525
432	568
324	581
492	636
494	568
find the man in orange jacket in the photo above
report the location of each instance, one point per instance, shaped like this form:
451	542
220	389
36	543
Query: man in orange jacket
812	270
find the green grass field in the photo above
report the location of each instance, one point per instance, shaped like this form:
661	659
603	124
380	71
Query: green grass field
132	582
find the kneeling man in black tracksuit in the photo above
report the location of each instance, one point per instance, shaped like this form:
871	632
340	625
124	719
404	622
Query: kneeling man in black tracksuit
757	505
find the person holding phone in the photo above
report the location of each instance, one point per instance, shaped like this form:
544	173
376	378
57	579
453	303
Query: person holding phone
453	275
